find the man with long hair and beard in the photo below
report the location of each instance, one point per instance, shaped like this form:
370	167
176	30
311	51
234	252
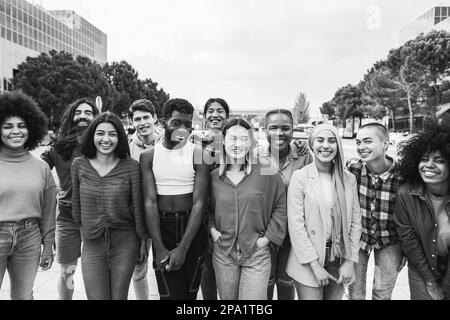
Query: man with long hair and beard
60	155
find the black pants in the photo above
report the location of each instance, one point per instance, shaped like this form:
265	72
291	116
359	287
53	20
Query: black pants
182	284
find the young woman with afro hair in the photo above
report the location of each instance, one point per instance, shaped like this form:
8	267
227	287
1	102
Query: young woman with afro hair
27	195
422	211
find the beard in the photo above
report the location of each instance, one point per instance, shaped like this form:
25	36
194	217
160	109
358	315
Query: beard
80	120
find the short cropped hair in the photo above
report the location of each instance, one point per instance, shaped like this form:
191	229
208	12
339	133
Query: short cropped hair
220	101
279	111
434	138
88	148
180	105
143	105
380	128
18	104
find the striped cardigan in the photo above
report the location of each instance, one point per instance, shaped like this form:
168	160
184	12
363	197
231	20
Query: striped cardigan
113	201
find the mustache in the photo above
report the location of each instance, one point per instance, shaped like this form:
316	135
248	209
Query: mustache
76	122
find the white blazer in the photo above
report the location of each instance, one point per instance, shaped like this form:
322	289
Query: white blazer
306	222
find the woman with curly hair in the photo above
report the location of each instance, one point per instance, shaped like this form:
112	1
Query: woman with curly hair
27	195
422	211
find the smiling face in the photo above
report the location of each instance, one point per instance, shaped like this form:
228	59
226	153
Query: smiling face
370	144
14	133
143	122
325	147
433	168
178	127
216	116
237	143
106	138
279	132
83	115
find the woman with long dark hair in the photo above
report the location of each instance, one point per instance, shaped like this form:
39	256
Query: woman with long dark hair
107	205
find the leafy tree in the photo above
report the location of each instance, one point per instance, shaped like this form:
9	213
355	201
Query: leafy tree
125	79
301	109
349	102
56	79
130	88
328	108
157	96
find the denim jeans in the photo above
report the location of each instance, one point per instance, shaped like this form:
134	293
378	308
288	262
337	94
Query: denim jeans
208	280
278	275
332	291
20	252
387	261
242	278
140	282
417	287
182	284
107	264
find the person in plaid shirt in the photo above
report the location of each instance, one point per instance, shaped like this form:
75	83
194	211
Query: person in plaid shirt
378	179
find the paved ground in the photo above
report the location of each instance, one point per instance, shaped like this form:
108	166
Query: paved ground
46	282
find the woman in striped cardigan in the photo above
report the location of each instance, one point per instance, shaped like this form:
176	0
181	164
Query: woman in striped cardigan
107	205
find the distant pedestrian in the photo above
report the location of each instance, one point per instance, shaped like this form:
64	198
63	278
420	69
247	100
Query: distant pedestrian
422	211
27	195
107	205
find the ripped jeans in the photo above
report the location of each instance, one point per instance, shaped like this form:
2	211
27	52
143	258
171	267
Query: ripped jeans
182	284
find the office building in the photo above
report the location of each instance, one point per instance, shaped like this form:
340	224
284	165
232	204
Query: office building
437	18
27	30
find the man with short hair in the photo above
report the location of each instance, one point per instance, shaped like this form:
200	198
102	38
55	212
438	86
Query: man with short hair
142	117
378	179
75	120
175	186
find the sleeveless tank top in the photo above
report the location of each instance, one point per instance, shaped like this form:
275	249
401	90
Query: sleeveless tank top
174	169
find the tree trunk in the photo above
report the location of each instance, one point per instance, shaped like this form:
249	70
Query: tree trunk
411	114
393	120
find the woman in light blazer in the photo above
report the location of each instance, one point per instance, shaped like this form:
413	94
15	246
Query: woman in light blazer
324	221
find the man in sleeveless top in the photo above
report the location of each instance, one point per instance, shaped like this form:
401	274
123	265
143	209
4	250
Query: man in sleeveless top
175	186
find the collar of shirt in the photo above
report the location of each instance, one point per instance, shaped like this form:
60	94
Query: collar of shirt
292	155
137	141
385	175
419	190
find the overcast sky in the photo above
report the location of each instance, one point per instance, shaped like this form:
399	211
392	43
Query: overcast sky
253	53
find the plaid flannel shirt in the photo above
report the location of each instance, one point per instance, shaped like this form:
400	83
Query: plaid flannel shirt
377	199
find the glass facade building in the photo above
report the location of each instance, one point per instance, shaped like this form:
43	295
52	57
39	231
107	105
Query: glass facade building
437	18
27	30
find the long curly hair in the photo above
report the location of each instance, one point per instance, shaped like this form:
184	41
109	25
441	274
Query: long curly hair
434	138
18	104
69	132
